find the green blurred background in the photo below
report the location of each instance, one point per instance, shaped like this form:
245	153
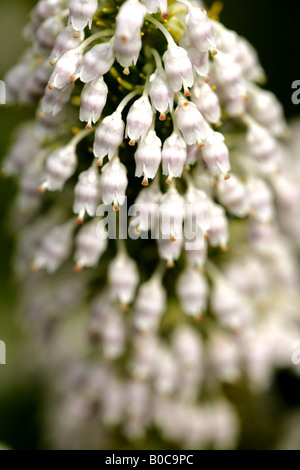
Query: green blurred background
273	32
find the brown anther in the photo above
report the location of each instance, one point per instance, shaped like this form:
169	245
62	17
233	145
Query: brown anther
77	268
186	104
73	78
206	79
41	189
132	143
79	220
76	35
162	117
89	126
198	319
170	265
226	177
224	248
169	180
206	236
123	38
51	86
145	181
200	146
100	163
165	16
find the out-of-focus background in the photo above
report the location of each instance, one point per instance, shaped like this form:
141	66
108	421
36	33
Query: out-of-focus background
274	33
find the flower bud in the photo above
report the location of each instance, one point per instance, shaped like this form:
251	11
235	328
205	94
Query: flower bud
114	183
127	53
207	102
174	155
227	74
93	99
233	195
197	210
123	279
89	246
148	157
161	95
260	199
190	122
149	306
87	194
130	19
55	248
215	154
82	12
139	119
65	68
97	62
178	68
109	136
192	290
196	250
200	28
60	166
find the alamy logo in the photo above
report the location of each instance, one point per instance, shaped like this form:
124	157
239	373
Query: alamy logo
2	92
2	353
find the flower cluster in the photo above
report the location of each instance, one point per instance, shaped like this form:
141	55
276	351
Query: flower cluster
174	116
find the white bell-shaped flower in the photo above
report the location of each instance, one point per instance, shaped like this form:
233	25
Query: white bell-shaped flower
227	73
123	278
54	100
130	19
166	372
65	68
97	62
197	211
55	248
60	166
174	155
263	147
200	28
149	306
190	122
114	183
93	100
196	250
127	52
207	102
266	110
109	136
170	250
148	157
153	6
216	155
188	347
87	194
178	68
232	310
68	39
113	336
171	213
192	290
233	195
46	34
89	247
146	205
82	12
160	92
219	231
139	119
199	59
261	200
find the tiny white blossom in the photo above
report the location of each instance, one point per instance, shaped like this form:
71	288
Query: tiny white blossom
216	155
65	68
89	247
200	28
190	122
109	136
149	306
82	12
87	194
148	157
207	102
178	68
114	183
233	195
174	155
160	92
123	278
93	99
97	62
60	166
192	290
139	119
130	19
127	52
